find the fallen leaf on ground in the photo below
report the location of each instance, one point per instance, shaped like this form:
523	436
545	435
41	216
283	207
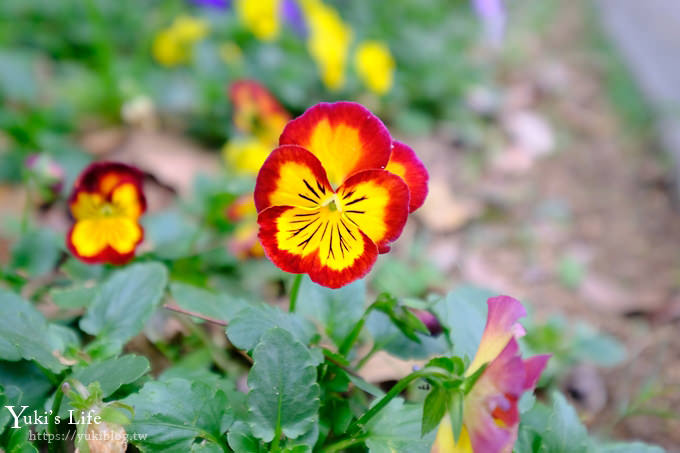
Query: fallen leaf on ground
445	212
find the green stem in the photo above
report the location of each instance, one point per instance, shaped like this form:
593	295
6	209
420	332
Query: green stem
385	400
343	444
365	358
294	293
51	427
349	341
277	439
218	355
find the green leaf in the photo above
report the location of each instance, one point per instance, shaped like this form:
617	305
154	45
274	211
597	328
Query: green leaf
170	232
37	252
597	347
456	413
4	414
463	312
19	441
453	365
367	387
124	304
76	296
338	310
207	303
241	439
389	337
24	383
251	323
408	323
175	412
112	415
206	447
434	409
284	394
526	402
629	447
112	373
397	428
571	272
62	337
24	332
565	433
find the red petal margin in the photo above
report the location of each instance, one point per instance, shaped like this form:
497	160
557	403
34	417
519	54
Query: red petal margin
404	163
393	216
268	179
374	151
107	255
246	94
310	263
92	178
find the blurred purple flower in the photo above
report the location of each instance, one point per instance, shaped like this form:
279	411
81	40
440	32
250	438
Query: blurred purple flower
493	16
293	16
217	4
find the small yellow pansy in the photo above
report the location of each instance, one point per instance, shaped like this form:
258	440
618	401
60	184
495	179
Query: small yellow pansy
261	17
328	42
173	45
375	66
246	155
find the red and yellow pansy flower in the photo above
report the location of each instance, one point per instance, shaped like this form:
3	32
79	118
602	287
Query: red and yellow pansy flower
327	203
244	243
490	412
106	204
256	111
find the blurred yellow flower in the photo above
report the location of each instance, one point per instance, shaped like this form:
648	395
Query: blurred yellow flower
375	66
328	42
173	45
246	155
230	52
260	16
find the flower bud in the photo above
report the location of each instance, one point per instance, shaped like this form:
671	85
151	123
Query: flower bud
45	177
430	321
106	438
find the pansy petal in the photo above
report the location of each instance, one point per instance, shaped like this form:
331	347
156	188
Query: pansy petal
533	368
333	251
104	177
487	436
105	240
256	110
445	442
376	201
242	207
291	176
405	164
501	326
344	136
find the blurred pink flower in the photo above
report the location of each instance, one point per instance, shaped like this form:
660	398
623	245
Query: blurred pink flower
490	412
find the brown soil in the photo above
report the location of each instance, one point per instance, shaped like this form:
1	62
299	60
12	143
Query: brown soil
601	200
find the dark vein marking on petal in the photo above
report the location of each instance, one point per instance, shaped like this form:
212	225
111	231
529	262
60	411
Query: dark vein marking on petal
321	188
348	194
301	229
310	188
324	231
306	198
304	243
348	231
330	246
355	201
